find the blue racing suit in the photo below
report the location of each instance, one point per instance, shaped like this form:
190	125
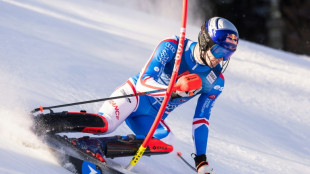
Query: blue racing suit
156	74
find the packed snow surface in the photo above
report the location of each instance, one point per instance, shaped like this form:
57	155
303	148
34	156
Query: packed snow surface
57	52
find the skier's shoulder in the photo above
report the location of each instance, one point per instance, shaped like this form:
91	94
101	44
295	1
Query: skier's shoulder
173	40
218	85
219	79
214	83
172	43
218	71
221	76
168	45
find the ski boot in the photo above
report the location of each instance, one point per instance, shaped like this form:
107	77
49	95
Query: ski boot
121	146
202	165
91	145
70	122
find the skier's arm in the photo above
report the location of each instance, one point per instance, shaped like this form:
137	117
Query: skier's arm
150	77
202	115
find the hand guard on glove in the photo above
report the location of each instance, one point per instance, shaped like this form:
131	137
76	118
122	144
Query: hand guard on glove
186	86
202	165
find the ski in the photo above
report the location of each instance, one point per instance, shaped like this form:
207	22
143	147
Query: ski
75	159
76	165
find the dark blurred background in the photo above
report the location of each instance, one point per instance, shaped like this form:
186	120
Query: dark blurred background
281	24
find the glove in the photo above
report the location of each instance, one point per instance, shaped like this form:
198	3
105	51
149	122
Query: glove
186	86
202	165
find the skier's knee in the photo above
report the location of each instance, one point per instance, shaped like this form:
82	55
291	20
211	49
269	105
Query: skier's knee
110	126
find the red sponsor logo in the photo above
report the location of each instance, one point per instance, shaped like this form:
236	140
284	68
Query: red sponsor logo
232	38
117	113
212	96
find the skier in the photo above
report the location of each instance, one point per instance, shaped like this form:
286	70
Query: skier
206	59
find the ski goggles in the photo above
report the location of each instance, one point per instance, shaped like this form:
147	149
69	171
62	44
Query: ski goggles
219	51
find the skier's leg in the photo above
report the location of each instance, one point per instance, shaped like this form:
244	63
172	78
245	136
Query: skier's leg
69	122
117	146
120	146
127	145
116	111
111	115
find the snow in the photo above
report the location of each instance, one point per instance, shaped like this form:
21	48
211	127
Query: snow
57	52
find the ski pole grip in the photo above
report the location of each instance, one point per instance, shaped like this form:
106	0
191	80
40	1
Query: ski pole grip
188	83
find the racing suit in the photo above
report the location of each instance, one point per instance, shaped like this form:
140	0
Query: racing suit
139	112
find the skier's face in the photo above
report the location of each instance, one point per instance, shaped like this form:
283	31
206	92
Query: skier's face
211	60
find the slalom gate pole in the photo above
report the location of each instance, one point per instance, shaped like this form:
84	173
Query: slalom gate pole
96	100
177	63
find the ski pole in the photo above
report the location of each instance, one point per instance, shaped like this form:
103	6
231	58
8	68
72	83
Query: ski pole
186	162
174	74
193	82
96	100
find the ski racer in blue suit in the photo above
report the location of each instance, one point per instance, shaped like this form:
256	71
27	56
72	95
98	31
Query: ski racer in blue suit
206	58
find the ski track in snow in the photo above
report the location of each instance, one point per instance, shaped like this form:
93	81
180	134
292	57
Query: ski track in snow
55	52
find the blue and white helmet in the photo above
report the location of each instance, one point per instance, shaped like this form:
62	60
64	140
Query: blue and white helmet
220	35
